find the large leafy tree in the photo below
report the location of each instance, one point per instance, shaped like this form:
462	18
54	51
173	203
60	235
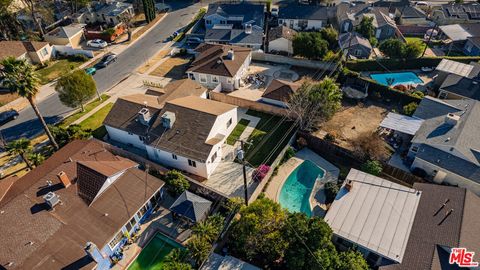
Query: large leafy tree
149	10
330	35
76	88
257	235
20	77
64	135
22	148
176	260
413	49
315	102
393	48
10	28
352	260
310	45
210	228
366	28
199	248
176	182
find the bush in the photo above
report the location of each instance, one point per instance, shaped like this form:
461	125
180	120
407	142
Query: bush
418	94
176	182
373	41
330	137
393	48
78	58
260	172
331	190
310	45
109	31
372	167
410	108
288	154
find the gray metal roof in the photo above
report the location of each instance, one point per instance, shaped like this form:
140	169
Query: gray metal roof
250	12
376	214
234	36
191	206
454	67
218	262
462	139
465	87
401	123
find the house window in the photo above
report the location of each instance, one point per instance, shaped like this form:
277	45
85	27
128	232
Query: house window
229	123
415	149
443	95
229	81
192	163
142	212
203	78
214	79
116	239
192	77
130	224
357	52
214	156
280	21
174	156
44	52
223	22
302	24
208	21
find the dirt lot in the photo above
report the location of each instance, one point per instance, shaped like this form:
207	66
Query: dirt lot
353	123
173	68
7	97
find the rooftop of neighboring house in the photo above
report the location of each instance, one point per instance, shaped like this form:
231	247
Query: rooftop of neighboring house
475	41
461	32
461	69
298	11
281	32
449	136
235	36
347	40
68	31
280	90
218	262
374	213
91	209
411	12
356	12
125	112
113	8
468	11
446	217
214	59
194	118
19	48
248	12
191	206
462	86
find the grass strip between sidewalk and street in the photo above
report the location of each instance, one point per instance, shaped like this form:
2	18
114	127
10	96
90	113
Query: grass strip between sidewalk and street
95	122
90	106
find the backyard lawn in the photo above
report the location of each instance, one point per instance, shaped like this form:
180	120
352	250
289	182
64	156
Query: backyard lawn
417	39
94	122
237	131
56	69
270	135
90	106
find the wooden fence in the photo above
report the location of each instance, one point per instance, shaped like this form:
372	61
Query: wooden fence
337	154
249	104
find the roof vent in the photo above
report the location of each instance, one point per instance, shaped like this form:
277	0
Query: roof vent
168	119
231	55
248	28
144	116
51	199
452	119
62	176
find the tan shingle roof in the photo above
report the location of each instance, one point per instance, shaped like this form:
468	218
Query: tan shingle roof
280	90
203	105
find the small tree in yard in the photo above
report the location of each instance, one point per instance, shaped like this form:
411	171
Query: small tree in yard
310	45
36	159
393	48
410	108
199	248
315	102
372	167
260	172
330	35
75	89
331	190
149	10
176	182
22	148
366	28
413	49
176	260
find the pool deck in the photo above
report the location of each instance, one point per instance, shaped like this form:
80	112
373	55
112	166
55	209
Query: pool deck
316	199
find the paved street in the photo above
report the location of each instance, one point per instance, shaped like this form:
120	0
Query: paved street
181	13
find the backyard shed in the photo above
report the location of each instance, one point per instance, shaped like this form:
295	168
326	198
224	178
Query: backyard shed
191	206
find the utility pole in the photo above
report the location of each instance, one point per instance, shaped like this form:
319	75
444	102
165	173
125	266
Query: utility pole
241	157
429	38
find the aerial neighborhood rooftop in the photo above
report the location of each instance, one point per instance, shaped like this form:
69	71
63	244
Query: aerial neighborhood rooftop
240	135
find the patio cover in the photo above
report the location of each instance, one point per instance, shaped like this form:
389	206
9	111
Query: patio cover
455	32
401	123
191	206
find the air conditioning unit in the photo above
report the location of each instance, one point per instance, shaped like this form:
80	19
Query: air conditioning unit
144	116
168	119
51	199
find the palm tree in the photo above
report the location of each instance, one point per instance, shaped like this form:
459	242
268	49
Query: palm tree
36	159
22	148
21	77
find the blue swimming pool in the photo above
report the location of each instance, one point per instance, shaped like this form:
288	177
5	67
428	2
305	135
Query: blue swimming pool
295	193
392	79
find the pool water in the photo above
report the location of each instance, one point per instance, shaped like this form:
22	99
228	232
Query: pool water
152	255
295	193
392	79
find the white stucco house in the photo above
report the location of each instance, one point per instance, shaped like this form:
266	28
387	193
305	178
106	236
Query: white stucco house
301	17
220	64
280	40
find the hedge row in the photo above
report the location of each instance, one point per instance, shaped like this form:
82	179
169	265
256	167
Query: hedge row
399	64
382	92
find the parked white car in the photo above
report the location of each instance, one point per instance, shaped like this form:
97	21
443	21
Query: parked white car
97	43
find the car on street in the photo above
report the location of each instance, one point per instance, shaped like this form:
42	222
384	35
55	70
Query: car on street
91	71
107	60
97	43
8	116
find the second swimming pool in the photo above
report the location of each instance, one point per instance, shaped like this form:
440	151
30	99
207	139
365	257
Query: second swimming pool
392	79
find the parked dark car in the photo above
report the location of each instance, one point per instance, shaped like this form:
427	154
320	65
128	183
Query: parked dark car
8	116
107	60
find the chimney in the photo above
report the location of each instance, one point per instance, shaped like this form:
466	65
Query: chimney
248	28
144	116
349	185
62	176
93	252
452	119
231	55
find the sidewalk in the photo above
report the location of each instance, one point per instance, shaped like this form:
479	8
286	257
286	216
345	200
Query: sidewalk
49	89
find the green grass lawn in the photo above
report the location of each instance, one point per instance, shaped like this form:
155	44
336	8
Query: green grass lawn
94	122
56	69
237	131
153	254
417	39
90	106
266	137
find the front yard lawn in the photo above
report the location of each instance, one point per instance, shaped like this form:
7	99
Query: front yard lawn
237	131
56	69
94	122
90	106
270	135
